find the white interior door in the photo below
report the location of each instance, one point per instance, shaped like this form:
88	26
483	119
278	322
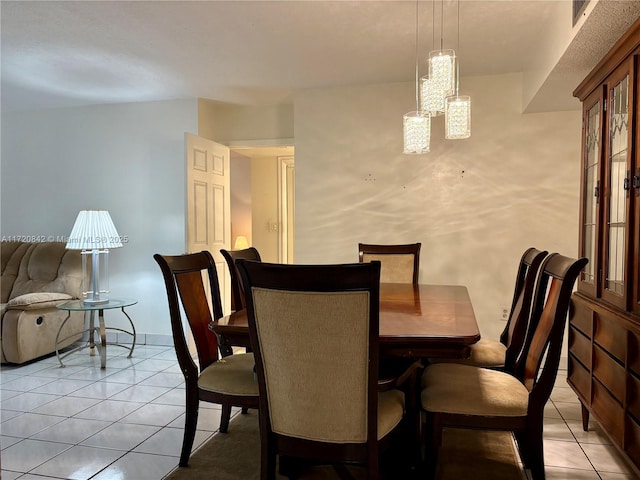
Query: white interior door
208	204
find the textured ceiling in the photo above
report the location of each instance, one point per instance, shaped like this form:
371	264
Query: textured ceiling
60	53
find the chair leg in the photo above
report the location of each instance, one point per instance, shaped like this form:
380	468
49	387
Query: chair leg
433	433
190	422
224	420
531	448
267	462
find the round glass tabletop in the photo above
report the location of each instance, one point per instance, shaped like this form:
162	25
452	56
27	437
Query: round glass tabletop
81	305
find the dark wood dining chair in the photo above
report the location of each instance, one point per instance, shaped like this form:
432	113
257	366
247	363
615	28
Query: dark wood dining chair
505	352
466	396
314	333
237	292
400	263
229	381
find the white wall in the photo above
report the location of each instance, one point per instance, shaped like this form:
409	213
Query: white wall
475	204
241	202
228	123
127	159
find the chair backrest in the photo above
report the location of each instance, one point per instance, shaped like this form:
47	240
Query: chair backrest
400	263
314	334
237	292
191	280
515	331
554	287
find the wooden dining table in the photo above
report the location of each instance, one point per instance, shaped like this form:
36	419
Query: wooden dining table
416	321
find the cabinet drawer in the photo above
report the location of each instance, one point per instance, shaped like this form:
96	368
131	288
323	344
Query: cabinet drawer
611	336
580	346
578	377
609	372
634	353
581	317
632	444
608	411
633	396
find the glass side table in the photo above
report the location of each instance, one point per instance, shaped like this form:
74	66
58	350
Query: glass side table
101	328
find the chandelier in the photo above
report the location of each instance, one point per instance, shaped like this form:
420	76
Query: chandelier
437	94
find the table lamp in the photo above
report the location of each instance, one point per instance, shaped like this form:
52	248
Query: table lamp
94	234
241	243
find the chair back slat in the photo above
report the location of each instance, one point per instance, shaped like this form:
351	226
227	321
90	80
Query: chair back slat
192	287
515	331
196	308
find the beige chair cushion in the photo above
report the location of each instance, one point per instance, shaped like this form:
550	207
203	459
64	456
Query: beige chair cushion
232	375
394	268
390	411
49	267
465	389
335	358
487	353
484	353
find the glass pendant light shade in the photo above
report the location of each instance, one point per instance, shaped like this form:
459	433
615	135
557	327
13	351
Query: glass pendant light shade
431	99
442	77
417	132
458	117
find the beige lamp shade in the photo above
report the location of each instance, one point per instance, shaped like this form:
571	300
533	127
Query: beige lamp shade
93	230
241	243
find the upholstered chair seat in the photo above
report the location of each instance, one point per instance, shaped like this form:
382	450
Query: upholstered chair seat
390	411
232	375
468	390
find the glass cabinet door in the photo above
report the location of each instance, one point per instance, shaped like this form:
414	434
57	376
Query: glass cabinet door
616	201
591	191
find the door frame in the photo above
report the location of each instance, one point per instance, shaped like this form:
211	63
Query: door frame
283	240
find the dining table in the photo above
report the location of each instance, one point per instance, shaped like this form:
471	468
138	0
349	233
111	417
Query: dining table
416	321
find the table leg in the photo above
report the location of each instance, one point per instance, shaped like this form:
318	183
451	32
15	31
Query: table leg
92	328
103	339
58	337
133	331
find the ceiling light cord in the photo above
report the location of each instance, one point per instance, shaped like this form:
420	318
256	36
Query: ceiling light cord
433	24
416	59
441	25
457	66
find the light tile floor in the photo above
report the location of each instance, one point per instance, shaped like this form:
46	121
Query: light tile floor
126	422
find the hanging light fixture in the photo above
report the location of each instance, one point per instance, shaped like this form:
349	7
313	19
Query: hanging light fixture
417	132
440	81
457	107
416	124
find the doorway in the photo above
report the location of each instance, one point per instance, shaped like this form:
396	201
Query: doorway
263	200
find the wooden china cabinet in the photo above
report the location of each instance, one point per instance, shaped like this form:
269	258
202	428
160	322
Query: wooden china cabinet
604	324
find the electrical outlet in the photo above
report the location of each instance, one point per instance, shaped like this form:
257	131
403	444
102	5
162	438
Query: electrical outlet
504	313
